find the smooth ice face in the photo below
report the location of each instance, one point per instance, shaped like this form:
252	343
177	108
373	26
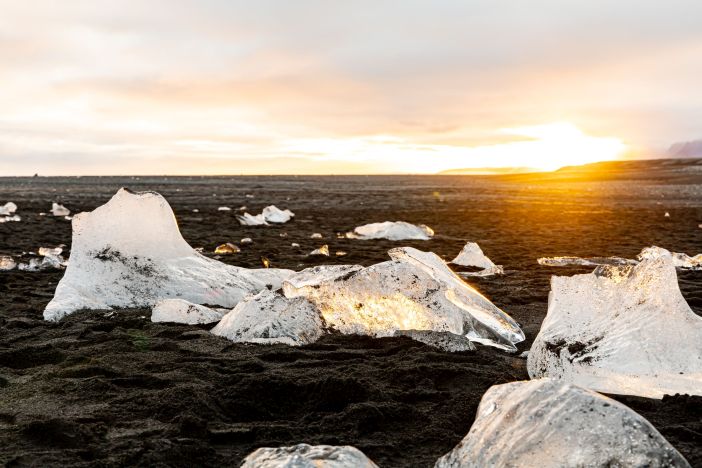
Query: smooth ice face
180	311
622	330
250	220
269	317
545	423
272	214
680	260
414	291
395	231
308	456
130	253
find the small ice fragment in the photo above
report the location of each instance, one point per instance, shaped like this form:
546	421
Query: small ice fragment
195	210
308	456
316	235
340	253
248	195
623	330
667	215
227	249
524	355
68	218
473	256
246	240
242	208
559	425
249	220
224	208
283	234
59	210
395	231
445	341
265	262
7	263
48	251
323	250
269	317
295	245
180	311
12	218
272	214
8	209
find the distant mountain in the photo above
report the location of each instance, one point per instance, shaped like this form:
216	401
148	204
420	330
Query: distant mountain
686	149
489	171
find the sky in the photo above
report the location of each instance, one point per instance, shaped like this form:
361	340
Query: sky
270	87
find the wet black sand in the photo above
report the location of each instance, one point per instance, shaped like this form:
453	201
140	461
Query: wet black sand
119	390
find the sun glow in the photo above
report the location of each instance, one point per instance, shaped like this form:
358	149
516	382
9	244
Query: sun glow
544	147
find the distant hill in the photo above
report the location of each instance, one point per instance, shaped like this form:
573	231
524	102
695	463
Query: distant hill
489	171
686	149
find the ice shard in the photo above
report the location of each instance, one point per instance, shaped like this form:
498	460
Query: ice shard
579	261
392	230
272	214
180	311
621	330
550	424
270	317
472	256
130	253
308	456
414	291
59	210
249	220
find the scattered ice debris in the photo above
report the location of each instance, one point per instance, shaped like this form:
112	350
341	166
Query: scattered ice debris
394	231
224	208
622	330
227	249
295	245
667	215
473	256
246	240
10	218
445	341
250	220
7	209
316	235
130	253
59	210
269	317
415	290
308	456
283	235
272	214
323	250
180	311
7	263
578	261
680	260
341	253
545	423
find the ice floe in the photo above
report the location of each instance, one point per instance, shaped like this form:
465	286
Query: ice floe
180	311
59	210
269	317
472	256
130	253
414	291
545	423
445	341
308	456
621	330
392	230
680	260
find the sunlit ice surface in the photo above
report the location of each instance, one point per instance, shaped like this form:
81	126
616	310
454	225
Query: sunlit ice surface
544	147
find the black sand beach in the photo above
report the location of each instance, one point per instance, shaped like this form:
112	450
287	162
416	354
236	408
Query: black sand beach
116	389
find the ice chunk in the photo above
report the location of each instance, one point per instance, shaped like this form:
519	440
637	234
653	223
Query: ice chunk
473	256
295	245
323	250
249	220
7	263
224	208
395	231
545	423
246	240
59	210
680	260
269	317
7	209
667	215
272	214
12	218
227	249
180	311
50	251
341	253
130	253
578	261
415	290
621	330
316	235
308	456
445	341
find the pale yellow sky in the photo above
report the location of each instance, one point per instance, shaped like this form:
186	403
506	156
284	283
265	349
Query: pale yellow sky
203	87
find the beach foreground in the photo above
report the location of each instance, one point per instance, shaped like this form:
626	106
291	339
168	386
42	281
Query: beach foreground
116	388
